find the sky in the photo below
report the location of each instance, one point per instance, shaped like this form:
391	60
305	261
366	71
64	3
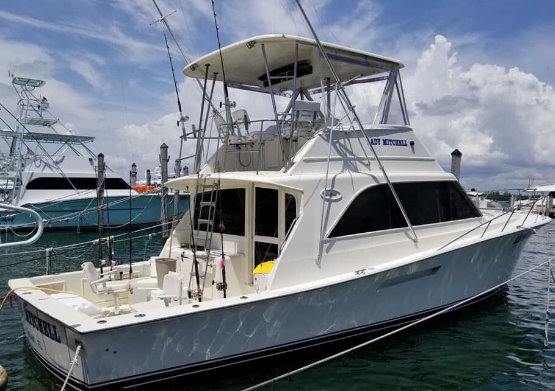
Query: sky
478	75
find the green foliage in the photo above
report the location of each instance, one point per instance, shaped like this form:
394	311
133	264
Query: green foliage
505	196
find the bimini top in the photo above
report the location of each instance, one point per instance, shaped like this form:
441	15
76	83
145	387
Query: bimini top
244	63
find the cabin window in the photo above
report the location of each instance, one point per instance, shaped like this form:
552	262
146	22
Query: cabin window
434	202
264	252
229	215
375	208
290	211
79	183
266	213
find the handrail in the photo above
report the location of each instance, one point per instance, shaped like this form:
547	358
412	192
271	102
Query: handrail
35	237
488	223
471	230
531	207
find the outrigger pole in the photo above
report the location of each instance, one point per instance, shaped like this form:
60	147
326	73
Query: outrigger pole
340	88
163	19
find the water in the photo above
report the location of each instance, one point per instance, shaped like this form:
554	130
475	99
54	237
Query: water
497	344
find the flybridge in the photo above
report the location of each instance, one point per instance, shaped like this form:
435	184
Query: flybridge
245	63
296	68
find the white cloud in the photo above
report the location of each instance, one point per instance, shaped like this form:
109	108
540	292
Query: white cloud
501	119
105	32
89	72
23	59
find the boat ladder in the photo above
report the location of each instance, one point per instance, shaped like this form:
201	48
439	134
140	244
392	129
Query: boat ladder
203	234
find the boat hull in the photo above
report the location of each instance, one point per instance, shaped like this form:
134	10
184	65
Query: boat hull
82	213
212	338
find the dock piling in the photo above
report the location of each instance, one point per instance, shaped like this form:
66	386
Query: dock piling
133	178
456	157
164	191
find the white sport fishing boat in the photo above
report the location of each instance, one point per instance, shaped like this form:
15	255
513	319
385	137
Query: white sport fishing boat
303	229
53	171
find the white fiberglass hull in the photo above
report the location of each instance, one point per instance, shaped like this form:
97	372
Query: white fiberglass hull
258	326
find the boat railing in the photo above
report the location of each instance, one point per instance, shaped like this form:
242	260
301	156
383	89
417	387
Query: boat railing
8	160
32	239
487	224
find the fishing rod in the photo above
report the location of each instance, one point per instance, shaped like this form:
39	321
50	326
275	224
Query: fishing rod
182	118
221	225
226	93
130	237
194	250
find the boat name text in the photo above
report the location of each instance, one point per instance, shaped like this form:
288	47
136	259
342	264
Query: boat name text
388	141
43	326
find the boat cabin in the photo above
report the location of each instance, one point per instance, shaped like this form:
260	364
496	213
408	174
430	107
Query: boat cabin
283	193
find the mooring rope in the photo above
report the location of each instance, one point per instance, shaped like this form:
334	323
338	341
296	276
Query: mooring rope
421	320
73	362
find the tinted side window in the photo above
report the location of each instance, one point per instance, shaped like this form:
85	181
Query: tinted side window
461	206
79	183
49	184
423	201
230	211
434	202
374	209
266	213
116	184
290	211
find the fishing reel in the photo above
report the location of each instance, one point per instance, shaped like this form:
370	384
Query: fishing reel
194	294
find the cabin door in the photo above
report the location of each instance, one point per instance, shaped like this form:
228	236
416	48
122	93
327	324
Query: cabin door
274	214
266	225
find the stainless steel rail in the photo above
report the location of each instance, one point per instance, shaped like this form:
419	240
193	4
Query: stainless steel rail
35	237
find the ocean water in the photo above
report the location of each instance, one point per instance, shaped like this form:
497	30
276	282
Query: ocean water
496	344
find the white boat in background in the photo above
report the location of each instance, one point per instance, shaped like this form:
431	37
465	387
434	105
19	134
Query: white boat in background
304	229
55	173
545	203
482	201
